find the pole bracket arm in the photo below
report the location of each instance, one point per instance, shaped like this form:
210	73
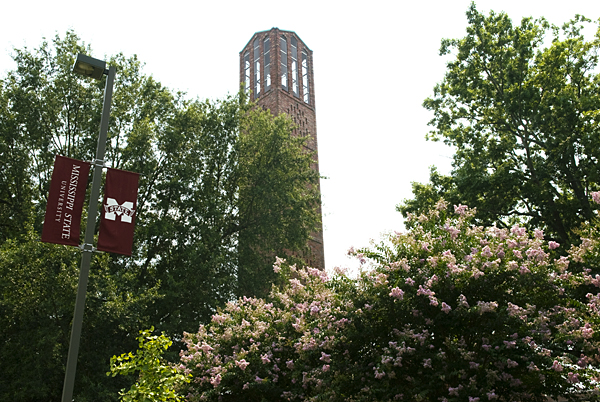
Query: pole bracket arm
87	248
98	163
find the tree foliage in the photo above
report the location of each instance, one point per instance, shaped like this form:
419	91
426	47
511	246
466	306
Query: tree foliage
519	104
212	172
157	380
38	283
448	311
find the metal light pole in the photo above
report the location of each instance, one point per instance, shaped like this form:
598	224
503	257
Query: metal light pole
94	68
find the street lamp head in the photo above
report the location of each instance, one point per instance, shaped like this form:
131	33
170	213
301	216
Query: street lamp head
89	67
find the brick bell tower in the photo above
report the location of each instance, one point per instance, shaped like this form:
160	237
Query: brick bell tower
276	67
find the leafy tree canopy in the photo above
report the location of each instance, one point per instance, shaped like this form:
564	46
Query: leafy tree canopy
520	105
213	173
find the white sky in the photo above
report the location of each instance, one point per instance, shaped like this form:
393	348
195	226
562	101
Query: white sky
374	64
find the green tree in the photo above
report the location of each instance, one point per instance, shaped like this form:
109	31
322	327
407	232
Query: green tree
47	110
38	283
211	172
519	104
278	195
157	379
15	183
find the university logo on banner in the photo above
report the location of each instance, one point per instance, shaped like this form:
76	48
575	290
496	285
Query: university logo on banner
117	222
65	201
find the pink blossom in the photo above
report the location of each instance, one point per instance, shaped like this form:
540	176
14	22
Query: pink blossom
242	364
425	291
572	378
477	273
290	364
536	254
265	359
361	258
486	252
454	391
277	265
513	309
511	363
473	399
453	232
381	279
310	345
441	205
556	366
446	308
216	380
326	367
397	293
485	307
460	209
341	322
553	245
524	270
325	357
409	281
206	347
219	319
596	196
587	331
518	231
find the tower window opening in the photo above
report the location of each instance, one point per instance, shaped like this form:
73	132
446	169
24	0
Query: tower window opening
256	68
305	93
284	66
267	58
247	72
295	66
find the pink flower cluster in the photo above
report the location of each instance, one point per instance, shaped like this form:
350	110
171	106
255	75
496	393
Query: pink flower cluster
448	309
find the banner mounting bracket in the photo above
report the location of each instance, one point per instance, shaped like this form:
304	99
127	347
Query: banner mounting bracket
87	247
99	163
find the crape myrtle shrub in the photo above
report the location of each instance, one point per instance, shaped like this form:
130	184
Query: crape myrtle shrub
448	311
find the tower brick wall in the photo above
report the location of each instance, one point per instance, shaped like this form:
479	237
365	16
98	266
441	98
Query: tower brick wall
276	68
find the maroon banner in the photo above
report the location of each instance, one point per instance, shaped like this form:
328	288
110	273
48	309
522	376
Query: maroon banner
118	212
65	201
